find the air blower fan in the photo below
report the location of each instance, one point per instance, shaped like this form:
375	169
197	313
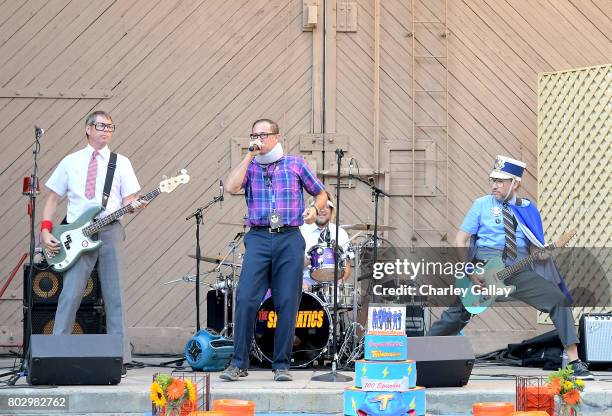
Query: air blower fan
207	351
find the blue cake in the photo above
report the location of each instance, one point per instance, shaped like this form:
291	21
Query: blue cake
382	403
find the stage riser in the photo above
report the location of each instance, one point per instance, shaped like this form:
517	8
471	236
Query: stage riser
321	400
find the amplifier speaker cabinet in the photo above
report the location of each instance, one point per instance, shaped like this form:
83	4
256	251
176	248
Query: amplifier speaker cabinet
596	338
47	285
75	360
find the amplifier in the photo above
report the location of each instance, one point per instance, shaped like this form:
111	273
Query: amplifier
415	320
47	285
596	338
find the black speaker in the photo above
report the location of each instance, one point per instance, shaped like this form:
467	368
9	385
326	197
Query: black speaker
595	338
75	360
47	285
89	320
442	361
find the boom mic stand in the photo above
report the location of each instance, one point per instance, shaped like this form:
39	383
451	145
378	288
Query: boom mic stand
334	376
38	132
376	193
198	214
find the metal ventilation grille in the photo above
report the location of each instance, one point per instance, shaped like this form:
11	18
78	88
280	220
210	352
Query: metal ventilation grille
574	109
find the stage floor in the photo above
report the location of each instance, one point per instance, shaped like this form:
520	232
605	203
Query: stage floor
131	396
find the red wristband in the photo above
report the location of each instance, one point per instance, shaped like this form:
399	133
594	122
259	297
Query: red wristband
46	224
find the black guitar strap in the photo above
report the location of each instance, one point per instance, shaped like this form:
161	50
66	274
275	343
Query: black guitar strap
108	182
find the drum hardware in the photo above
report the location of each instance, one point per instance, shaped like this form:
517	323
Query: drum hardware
334	376
221	261
352	346
346	294
313	332
231	282
190	278
368	227
230	223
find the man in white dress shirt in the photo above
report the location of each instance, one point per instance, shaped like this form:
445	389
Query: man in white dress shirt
80	177
324	230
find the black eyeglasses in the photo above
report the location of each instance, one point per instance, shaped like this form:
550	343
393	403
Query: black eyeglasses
498	181
262	136
103	126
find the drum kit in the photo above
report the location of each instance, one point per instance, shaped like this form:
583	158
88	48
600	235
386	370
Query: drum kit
313	332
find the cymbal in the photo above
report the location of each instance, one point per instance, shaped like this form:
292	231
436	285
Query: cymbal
233	224
367	227
214	260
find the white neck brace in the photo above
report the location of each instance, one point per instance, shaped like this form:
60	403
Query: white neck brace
272	156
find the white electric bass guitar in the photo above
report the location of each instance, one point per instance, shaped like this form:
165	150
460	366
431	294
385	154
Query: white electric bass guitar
76	238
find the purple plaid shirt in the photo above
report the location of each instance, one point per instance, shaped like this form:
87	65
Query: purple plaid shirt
284	182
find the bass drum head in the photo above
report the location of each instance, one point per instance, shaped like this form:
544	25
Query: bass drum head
312	331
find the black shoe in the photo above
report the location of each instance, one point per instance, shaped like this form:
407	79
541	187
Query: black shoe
233	373
282	374
123	369
581	371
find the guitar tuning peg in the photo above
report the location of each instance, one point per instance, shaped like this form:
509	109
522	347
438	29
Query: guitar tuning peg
183	171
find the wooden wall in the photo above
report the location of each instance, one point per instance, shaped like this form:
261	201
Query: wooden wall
185	79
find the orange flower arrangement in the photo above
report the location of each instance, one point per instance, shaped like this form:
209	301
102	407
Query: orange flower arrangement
562	383
173	396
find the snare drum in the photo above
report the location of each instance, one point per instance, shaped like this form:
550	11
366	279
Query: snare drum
325	291
323	262
312	330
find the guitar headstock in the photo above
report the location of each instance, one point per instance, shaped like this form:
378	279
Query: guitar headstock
565	238
168	185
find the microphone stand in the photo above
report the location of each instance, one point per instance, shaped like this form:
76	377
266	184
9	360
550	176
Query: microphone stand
376	192
38	132
334	376
198	214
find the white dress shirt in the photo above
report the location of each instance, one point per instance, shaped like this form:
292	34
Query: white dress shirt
71	174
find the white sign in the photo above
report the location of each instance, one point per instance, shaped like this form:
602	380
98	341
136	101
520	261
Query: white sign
401	384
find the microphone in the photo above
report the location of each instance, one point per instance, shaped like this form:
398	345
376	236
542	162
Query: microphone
254	146
38	131
350	184
221	193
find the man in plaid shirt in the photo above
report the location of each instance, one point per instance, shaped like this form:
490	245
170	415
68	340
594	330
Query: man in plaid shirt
273	185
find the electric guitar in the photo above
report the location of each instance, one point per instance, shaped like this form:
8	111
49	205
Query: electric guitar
494	276
76	238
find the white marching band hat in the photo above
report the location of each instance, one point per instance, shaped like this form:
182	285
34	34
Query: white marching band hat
507	168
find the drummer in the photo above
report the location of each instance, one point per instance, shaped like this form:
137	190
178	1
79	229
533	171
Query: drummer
323	231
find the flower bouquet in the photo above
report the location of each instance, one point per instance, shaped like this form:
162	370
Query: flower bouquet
567	390
173	396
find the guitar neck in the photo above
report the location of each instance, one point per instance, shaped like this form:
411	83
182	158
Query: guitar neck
509	271
98	224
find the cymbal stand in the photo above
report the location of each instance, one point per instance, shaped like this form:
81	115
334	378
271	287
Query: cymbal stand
352	346
228	327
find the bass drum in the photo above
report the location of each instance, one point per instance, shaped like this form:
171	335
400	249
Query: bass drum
312	331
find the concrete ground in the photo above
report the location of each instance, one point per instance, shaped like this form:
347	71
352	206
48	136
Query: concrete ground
302	396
